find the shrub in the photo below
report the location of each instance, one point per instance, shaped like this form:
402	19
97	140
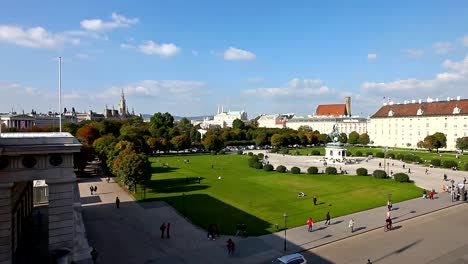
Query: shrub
213	152
369	153
417	159
274	150
401	177
268	167
331	171
312	170
281	169
348	153
250	154
358	153
240	152
297	152
380	174
295	170
391	155
436	162
361	172
465	166
400	156
258	165
260	156
408	157
284	151
253	160
221	152
449	164
379	154
315	153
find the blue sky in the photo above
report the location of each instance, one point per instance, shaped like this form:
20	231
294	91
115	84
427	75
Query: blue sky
188	57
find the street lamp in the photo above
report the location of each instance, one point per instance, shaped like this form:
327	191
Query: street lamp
285	215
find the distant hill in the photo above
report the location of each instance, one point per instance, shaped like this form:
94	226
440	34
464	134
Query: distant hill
177	118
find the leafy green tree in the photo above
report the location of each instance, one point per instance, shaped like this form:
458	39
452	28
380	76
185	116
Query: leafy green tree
195	136
353	138
261	139
180	142
159	120
134	134
87	134
278	140
212	143
80	159
69	127
302	138
364	139
133	168
441	140
343	138
102	146
184	124
237	123
323	138
430	142
462	143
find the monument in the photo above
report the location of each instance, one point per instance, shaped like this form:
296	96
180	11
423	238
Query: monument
335	151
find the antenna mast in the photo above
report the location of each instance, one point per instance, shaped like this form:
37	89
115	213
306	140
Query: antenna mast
60	94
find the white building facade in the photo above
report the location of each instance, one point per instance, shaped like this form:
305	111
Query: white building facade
224	119
272	121
325	124
404	125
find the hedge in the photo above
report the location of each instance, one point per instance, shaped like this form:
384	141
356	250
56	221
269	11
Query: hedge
253	160
240	152
391	155
331	171
436	162
449	164
312	170
250	154
221	152
379	154
268	167
284	151
281	169
369	153
348	153
315	153
380	174
260	156
258	165
465	167
401	177
295	170
400	156
362	172
358	153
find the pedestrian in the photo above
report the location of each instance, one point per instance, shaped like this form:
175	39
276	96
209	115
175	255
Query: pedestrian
328	219
409	170
117	202
391	173
95	189
380	164
427	171
464	180
351	225
167	230
431	194
389	205
230	246
108	179
315	200
162	228
91	189
212	166
403	166
389	215
368	261
94	254
199	179
310	223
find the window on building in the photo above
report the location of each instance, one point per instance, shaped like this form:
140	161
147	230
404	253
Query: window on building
445	125
391	113
427	124
419	112
456	110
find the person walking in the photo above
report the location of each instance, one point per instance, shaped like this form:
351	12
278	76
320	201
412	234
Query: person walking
91	189
389	205
310	223
162	228
427	171
117	202
230	246
315	200
168	227
95	189
108	179
351	225
328	219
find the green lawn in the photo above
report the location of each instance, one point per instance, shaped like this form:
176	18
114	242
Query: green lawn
258	198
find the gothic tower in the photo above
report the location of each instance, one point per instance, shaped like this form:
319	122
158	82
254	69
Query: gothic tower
122	106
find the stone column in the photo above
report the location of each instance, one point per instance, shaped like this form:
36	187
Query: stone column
61	228
5	223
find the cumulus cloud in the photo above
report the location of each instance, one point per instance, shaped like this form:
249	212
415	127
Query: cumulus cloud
164	50
442	47
178	88
371	56
126	46
238	54
118	21
35	37
449	82
414	53
294	88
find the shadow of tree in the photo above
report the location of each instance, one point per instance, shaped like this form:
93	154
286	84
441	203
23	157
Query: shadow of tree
162	170
176	185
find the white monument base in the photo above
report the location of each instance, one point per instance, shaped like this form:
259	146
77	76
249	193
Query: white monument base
335	154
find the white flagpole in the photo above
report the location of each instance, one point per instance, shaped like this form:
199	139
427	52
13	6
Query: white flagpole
60	94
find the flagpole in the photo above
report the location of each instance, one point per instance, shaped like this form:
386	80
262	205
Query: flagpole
60	94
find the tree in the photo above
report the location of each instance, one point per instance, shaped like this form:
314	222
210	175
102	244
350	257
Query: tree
441	140
364	139
71	128
132	168
159	120
353	138
343	138
323	138
180	142
277	140
430	142
261	139
184	124
195	136
237	123
462	143
212	143
420	144
102	146
87	134
80	159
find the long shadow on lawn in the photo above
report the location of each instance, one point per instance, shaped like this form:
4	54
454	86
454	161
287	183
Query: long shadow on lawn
176	185
204	210
163	169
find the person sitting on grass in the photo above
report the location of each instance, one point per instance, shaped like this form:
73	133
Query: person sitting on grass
301	194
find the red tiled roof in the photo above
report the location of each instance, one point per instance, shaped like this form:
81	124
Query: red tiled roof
331	110
428	109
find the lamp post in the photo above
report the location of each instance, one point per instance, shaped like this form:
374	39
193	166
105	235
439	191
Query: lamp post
285	215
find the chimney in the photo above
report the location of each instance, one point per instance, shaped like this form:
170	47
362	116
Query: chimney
348	105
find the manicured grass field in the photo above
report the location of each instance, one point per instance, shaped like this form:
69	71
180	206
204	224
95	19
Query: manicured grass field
258	198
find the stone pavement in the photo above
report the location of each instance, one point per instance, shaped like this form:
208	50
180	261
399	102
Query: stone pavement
131	234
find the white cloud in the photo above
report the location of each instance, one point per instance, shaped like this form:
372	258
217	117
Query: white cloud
371	56
118	21
414	53
164	50
442	47
36	37
294	88
451	82
465	40
238	54
126	46
178	88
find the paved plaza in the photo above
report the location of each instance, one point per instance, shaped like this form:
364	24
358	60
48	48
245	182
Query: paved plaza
131	233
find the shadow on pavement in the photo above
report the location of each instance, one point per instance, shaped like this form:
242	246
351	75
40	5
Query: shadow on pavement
398	251
360	228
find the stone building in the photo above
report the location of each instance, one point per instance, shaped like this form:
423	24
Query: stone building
46	157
